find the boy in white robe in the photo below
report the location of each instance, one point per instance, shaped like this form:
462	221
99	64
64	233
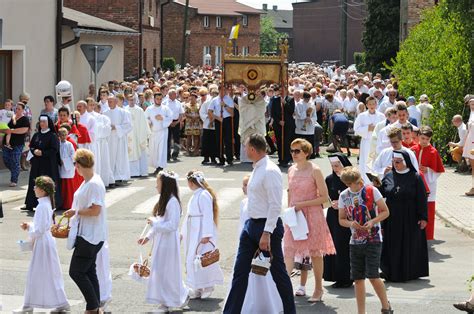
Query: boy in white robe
138	140
44	283
364	126
118	141
160	117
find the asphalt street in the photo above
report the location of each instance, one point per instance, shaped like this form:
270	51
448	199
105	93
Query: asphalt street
451	254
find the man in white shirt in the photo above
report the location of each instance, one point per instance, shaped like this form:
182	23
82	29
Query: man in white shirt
425	108
177	113
390	102
208	147
377	84
104	104
350	104
222	110
361	87
264	229
413	110
456	148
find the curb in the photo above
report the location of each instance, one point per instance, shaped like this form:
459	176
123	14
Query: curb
13	199
454	223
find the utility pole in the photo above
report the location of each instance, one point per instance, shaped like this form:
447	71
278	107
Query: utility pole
343	50
183	51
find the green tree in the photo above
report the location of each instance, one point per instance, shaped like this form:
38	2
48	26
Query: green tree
269	36
436	60
381	35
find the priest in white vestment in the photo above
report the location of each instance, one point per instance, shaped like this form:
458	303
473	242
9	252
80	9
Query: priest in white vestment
118	140
138	141
364	126
251	121
159	117
102	155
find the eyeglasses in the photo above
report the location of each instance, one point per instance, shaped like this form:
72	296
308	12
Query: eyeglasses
295	151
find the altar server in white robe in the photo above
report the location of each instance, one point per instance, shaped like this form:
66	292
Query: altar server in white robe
44	282
118	140
364	125
165	285
383	163
262	295
102	155
159	117
199	233
138	140
88	119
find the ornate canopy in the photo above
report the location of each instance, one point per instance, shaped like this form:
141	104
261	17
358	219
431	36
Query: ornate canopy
255	71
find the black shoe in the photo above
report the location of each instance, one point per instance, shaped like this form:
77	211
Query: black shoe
230	163
213	161
317	155
313	156
205	161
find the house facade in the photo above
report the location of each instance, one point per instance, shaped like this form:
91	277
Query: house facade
209	25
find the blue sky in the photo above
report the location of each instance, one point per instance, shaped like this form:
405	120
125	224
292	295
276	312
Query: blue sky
282	4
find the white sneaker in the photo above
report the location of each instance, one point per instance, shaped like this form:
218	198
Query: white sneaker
24	309
206	293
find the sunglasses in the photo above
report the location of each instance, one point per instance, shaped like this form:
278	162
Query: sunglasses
295	151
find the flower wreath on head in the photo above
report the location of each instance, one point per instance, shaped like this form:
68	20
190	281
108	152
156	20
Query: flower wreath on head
198	176
42	184
169	174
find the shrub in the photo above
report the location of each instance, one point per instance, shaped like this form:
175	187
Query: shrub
169	64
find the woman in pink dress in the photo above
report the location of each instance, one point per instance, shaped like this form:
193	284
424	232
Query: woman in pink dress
307	192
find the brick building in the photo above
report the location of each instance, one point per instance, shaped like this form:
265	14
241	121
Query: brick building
208	21
410	14
317	30
140	52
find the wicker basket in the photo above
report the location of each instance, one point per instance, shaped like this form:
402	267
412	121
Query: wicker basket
142	269
259	265
58	230
209	257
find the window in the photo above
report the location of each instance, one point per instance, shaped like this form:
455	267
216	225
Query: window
245	51
218	22
218	55
154	57
144	59
206	21
206	55
245	21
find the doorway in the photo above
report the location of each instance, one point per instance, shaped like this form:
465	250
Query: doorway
5	76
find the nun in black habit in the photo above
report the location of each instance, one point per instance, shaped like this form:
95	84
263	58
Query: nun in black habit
337	267
404	250
44	153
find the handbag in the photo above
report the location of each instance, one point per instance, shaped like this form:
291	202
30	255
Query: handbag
74	229
58	230
210	257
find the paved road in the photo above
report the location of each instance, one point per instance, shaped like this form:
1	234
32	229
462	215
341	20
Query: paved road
451	256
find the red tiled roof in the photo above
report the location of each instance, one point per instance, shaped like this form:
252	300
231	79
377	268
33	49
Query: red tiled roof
220	7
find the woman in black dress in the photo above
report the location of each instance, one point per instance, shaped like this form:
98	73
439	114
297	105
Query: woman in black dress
337	267
44	148
404	250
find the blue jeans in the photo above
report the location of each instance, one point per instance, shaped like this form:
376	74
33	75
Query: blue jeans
249	241
11	159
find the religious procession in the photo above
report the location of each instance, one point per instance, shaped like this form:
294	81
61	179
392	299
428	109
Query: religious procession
255	185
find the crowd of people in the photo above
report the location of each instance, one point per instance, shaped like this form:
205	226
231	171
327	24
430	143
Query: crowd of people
380	214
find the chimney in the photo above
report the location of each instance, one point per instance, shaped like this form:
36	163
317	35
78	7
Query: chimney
264	7
275	8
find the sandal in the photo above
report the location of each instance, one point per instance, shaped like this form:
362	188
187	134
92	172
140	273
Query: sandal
12	184
300	292
314	299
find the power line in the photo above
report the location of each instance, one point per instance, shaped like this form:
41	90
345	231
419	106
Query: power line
352	17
